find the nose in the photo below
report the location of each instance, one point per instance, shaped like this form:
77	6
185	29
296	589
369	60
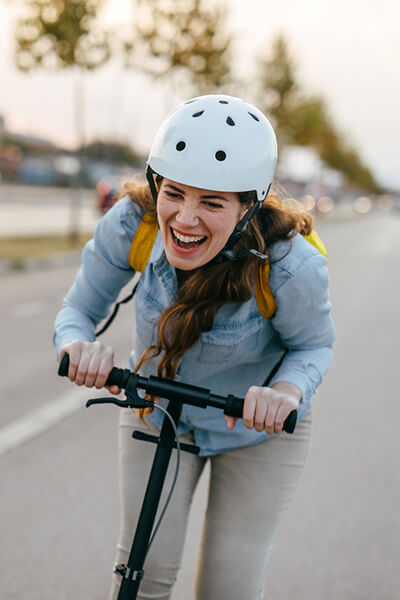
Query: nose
187	215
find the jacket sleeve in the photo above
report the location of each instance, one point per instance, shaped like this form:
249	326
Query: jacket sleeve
103	273
304	324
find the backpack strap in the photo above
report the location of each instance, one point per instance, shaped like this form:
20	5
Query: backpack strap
139	254
142	243
316	241
265	300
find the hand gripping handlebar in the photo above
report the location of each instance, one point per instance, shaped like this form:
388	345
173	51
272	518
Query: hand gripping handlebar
170	390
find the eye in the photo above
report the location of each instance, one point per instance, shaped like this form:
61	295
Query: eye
172	195
213	204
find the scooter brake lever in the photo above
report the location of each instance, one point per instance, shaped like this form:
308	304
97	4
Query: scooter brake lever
132	400
108	400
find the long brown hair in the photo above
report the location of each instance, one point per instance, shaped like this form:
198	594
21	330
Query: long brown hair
209	287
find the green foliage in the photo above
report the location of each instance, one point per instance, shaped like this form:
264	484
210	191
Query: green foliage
60	34
302	119
278	85
181	36
308	121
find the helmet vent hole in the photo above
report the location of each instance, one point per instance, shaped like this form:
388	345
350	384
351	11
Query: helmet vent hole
198	114
220	155
223	101
230	121
254	116
180	146
191	101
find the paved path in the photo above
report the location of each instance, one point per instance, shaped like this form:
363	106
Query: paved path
26	210
340	540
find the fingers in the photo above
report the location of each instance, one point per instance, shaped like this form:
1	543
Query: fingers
266	409
114	389
74	351
261	414
99	368
230	421
270	419
281	414
249	408
90	363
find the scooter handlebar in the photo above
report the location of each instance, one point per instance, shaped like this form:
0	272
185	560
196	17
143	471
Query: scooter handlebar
231	405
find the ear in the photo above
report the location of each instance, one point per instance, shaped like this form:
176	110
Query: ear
244	208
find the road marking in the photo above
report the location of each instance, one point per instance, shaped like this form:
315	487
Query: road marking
44	417
28	309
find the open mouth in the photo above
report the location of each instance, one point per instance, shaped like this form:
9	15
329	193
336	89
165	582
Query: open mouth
187	242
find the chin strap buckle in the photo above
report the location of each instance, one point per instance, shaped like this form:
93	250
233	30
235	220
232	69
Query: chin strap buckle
235	255
127	573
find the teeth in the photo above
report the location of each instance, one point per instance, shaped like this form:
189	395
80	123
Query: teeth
187	238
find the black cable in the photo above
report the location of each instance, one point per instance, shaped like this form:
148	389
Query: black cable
115	311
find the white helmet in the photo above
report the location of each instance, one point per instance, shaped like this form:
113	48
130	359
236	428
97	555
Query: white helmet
216	142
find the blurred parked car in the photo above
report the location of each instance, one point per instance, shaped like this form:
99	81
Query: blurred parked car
36	170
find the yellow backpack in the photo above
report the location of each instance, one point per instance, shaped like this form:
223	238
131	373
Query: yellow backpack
145	237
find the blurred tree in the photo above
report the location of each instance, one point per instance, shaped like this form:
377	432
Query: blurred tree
303	119
278	88
61	34
183	38
112	151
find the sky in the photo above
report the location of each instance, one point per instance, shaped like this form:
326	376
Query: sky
348	52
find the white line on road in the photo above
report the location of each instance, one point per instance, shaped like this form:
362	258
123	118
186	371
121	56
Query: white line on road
39	420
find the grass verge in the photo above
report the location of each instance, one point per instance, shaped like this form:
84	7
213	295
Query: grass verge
18	251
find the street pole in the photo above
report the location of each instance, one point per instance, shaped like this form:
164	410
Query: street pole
79	122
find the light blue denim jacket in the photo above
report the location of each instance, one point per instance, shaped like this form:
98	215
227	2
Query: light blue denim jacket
242	347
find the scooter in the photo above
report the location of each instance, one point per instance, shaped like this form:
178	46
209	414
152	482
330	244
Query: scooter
177	394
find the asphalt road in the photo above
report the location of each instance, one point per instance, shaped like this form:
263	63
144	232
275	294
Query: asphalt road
59	491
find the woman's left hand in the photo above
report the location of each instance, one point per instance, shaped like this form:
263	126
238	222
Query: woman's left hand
266	408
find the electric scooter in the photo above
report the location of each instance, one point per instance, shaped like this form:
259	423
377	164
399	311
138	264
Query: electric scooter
177	394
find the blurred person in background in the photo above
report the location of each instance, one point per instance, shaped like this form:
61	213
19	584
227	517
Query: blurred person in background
200	320
106	196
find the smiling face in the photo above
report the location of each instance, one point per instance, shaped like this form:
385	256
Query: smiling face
195	224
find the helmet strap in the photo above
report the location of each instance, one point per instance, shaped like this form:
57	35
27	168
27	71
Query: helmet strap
241	226
150	174
227	252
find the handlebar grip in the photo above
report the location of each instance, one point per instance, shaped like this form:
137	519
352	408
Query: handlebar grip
234	408
116	376
290	422
63	367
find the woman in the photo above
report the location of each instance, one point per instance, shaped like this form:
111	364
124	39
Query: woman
197	320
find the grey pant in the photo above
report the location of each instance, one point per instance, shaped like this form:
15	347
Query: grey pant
250	490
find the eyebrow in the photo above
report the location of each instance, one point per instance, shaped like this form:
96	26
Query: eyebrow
209	196
205	196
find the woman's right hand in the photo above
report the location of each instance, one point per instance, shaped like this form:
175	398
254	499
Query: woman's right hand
90	364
